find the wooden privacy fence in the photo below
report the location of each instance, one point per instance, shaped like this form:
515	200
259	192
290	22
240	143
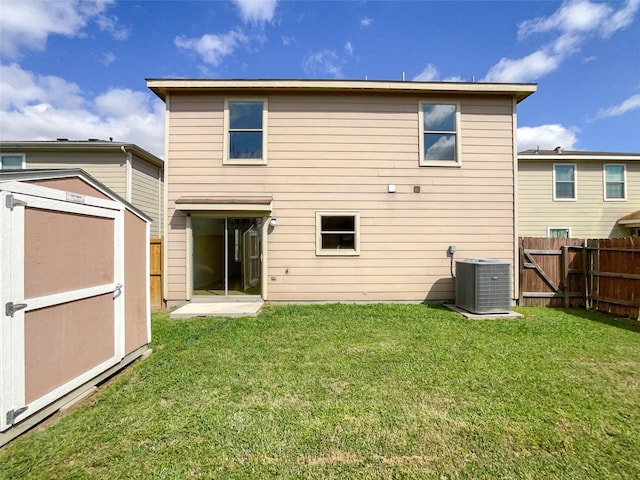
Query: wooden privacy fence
601	274
155	273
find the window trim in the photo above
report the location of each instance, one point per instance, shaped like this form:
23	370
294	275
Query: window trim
575	182
11	154
624	182
439	163
335	252
226	160
568	229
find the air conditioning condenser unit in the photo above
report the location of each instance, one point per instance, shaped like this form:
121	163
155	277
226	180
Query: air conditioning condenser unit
483	285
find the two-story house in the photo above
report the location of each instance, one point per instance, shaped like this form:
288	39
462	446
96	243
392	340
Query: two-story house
578	194
131	172
315	190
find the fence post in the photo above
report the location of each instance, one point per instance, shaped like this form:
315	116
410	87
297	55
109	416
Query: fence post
565	276
521	273
585	273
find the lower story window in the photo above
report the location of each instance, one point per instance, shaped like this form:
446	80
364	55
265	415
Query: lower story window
337	233
12	161
558	232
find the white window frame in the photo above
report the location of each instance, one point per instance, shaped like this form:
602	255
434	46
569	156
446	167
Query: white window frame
8	154
575	182
226	160
336	252
439	163
604	182
568	229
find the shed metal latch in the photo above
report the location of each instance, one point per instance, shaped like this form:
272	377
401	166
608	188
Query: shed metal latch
12	202
10	308
13	414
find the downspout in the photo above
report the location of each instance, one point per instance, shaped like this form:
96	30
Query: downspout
128	168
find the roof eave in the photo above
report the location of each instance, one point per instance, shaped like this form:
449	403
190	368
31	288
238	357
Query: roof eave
583	157
162	87
75	146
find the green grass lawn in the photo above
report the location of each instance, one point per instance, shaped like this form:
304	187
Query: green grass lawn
359	391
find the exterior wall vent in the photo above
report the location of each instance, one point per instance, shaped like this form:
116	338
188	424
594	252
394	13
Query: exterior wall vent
483	285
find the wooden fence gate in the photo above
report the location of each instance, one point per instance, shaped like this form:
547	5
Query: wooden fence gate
603	274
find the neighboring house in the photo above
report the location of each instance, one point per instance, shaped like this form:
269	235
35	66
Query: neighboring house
130	171
578	194
314	190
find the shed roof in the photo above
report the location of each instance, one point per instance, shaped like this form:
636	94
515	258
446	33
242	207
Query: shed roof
18	175
162	87
631	220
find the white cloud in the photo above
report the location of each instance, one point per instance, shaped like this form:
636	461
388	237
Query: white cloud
256	11
524	69
547	137
620	19
28	24
572	16
583	16
366	22
573	22
630	104
348	48
19	88
213	48
430	73
108	58
36	107
112	25
324	62
286	41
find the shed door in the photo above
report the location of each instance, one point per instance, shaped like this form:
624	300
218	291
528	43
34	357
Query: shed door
62	295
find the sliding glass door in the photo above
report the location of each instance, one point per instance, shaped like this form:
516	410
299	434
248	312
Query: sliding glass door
227	255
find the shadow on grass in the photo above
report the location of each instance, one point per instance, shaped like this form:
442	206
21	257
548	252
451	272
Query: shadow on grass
612	320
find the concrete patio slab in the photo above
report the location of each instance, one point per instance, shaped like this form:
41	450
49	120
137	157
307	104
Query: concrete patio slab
483	316
218	309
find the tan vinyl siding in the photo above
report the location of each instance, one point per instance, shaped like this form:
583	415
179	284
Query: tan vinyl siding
339	153
146	192
589	216
108	168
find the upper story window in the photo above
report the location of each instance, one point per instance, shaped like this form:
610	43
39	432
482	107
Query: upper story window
12	161
245	132
439	136
337	233
614	182
564	182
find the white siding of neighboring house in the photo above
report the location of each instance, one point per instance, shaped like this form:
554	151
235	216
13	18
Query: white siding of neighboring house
146	192
590	216
339	154
108	168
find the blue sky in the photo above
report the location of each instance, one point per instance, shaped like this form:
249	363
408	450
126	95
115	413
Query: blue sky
76	69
